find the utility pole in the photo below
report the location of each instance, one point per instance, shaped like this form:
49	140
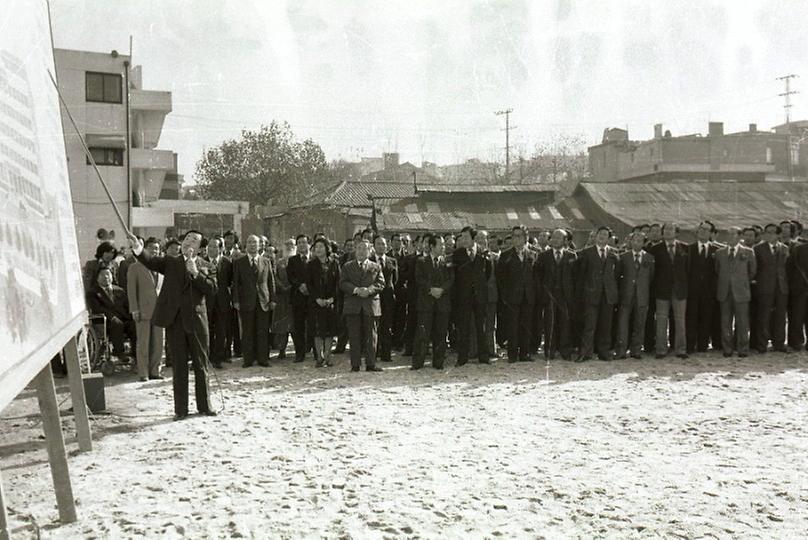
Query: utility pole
787	96
508	128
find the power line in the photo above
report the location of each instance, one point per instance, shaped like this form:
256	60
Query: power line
787	95
508	128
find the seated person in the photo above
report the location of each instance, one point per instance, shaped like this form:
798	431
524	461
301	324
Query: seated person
107	299
105	255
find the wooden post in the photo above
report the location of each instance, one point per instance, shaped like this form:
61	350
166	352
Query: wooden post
49	409
5	530
71	352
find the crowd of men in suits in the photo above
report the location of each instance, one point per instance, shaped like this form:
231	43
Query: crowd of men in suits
216	299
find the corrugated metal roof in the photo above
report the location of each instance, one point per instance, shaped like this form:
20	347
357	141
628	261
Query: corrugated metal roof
454	219
487	188
724	203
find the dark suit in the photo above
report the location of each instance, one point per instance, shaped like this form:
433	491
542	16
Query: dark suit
517	293
599	292
219	309
433	313
733	292
669	288
470	302
701	302
406	269
388	304
120	324
798	289
555	281
254	290
771	293
634	280
303	341
181	309
400	310
362	314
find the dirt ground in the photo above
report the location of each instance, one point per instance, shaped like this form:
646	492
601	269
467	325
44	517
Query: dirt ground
705	447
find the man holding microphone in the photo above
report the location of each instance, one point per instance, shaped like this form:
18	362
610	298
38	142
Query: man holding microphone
182	311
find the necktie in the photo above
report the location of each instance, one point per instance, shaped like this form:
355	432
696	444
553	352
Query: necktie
636	261
732	253
557	256
109	293
703	250
671	251
602	254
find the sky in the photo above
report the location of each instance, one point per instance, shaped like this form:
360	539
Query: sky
424	78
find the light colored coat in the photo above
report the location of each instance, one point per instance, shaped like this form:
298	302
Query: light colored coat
735	275
142	290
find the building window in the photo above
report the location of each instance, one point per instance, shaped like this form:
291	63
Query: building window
511	214
107	156
104	87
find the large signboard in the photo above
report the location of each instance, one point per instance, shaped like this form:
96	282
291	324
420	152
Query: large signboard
41	294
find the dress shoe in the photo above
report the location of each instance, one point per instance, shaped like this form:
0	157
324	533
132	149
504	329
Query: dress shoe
727	354
208	413
636	356
659	356
282	355
528	358
414	368
228	360
622	357
374	368
512	360
263	364
178	417
742	355
439	367
783	350
407	352
246	365
683	356
354	369
460	364
144	379
218	365
299	359
156	377
485	361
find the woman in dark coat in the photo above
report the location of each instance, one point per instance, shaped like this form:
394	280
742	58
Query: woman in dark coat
323	284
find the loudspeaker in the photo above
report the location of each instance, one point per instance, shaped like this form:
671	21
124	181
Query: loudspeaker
94	392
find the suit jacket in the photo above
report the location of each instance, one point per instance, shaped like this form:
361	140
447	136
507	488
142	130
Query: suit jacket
635	282
515	278
598	275
123	272
142	289
99	303
735	275
771	268
253	288
391	277
223	271
471	277
798	269
296	272
428	275
182	297
670	276
354	276
701	278
555	282
493	292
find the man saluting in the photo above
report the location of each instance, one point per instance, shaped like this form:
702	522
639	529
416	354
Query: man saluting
181	310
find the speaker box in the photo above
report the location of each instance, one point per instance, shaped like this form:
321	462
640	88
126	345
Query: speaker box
94	392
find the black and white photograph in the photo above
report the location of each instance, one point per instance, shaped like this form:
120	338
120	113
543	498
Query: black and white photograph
395	269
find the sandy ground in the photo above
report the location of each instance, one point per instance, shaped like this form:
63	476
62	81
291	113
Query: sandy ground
705	447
